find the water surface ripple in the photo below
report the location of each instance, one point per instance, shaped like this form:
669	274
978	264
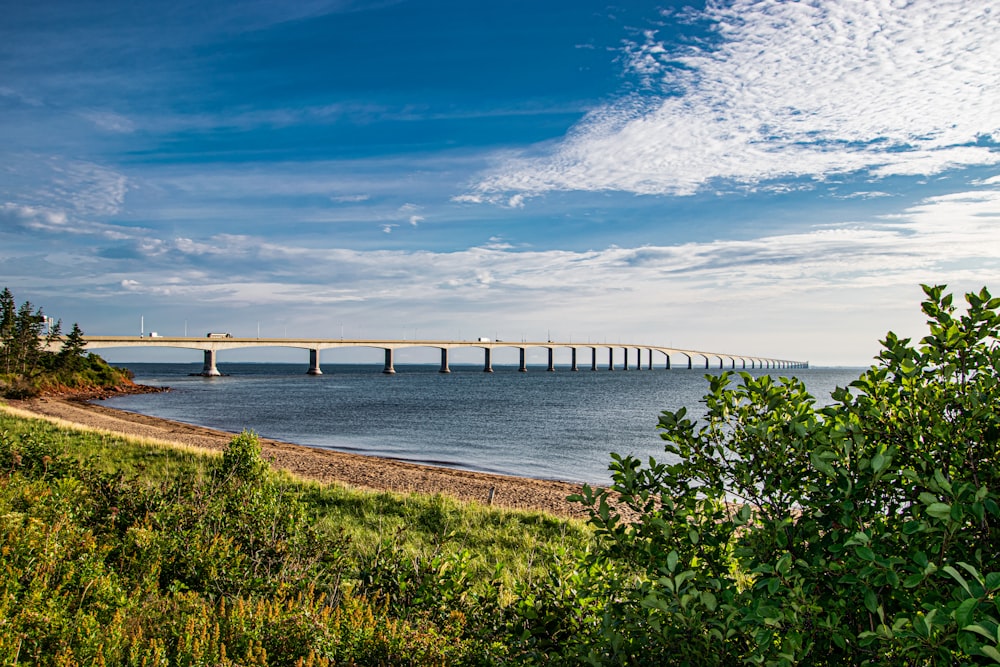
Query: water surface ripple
560	425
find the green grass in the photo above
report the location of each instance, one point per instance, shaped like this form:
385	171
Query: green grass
419	526
120	551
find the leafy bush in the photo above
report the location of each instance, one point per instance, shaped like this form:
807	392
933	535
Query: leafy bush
229	569
864	532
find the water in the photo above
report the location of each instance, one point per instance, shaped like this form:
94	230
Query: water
560	425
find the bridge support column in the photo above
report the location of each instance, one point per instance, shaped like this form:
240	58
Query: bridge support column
388	369
611	358
649	366
593	358
208	369
668	362
314	368
488	368
689	363
444	361
638	358
625	365
552	366
523	368
573	363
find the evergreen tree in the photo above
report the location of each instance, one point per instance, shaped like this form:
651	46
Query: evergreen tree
71	355
8	316
28	348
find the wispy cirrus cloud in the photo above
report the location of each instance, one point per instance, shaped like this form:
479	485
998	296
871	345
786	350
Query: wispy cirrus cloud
109	121
788	89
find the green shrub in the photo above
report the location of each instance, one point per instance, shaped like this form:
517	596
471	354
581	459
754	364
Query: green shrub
226	568
864	532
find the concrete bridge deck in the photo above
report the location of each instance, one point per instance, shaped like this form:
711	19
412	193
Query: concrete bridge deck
212	345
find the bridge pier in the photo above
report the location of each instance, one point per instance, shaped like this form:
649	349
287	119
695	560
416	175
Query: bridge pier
444	361
649	366
488	368
611	358
668	362
573	363
388	370
314	368
625	365
523	368
552	366
209	369
593	358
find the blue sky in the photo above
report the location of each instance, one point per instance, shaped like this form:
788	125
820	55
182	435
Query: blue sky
769	178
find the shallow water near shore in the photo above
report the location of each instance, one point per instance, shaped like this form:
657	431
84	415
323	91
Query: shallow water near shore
560	425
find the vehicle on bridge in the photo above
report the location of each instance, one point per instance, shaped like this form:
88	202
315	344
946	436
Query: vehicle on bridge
219	335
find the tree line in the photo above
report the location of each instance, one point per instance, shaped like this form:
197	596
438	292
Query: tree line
27	363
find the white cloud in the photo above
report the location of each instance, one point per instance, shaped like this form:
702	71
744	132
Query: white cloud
416	219
32	217
830	290
808	88
110	121
350	199
18	96
79	187
943	237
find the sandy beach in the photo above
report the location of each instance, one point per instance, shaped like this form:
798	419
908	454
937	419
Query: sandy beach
367	472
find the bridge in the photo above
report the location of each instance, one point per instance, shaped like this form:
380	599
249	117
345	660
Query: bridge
213	344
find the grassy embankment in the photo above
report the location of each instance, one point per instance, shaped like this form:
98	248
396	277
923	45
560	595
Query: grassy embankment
127	552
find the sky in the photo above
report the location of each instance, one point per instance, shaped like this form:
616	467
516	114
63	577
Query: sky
769	178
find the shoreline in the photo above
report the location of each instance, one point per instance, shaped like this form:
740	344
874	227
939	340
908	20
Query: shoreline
321	465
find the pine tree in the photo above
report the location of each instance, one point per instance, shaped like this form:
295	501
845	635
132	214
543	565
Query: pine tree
8	316
72	353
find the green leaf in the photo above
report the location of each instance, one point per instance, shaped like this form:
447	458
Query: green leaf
871	602
979	629
990	652
920	625
672	560
953	573
927	498
821	465
940	510
963	615
864	553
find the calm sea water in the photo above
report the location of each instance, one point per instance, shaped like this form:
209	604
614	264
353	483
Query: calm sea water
560	425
